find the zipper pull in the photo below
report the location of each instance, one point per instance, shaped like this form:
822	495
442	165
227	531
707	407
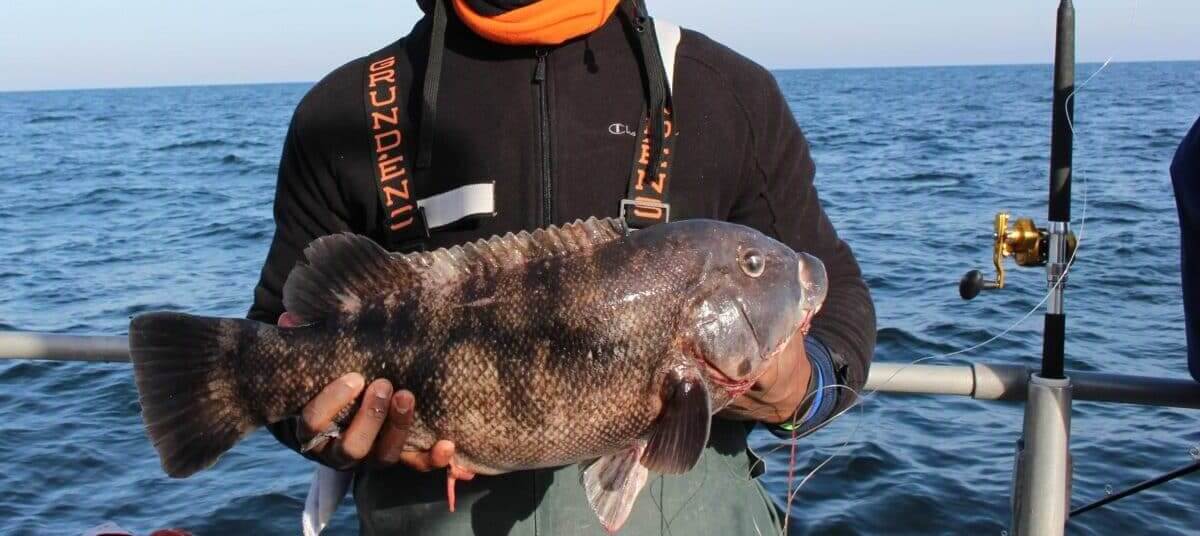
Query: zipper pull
539	72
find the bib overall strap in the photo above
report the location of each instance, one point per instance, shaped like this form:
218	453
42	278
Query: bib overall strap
410	218
646	199
405	226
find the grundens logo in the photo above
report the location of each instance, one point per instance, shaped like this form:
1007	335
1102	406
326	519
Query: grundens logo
385	125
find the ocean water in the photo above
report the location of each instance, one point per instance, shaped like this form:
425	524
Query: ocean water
114	202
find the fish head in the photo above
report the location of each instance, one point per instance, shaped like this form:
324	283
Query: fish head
755	295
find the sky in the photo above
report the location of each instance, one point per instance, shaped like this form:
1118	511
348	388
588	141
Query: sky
61	44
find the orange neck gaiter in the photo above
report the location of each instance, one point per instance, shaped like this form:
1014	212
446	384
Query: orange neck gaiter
545	22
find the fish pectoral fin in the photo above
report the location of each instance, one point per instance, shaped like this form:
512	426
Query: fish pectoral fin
612	484
678	438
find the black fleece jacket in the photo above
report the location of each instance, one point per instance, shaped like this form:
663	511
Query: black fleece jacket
740	156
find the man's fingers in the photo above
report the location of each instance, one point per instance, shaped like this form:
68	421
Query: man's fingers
319	413
436	458
357	440
441	454
288	320
390	446
379	429
418	461
461	474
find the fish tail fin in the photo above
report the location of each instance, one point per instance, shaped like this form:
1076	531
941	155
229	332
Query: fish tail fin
184	369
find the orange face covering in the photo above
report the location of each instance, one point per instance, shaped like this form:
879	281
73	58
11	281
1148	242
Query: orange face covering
545	22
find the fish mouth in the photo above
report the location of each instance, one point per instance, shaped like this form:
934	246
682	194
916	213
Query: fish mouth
801	328
737	388
713	375
734	387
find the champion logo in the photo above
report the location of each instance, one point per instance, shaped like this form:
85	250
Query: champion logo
620	128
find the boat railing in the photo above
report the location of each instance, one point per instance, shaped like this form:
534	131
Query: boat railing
981	381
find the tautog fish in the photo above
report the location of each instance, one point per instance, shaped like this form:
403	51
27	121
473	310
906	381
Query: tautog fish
580	344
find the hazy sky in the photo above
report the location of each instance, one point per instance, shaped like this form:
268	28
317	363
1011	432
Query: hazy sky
89	43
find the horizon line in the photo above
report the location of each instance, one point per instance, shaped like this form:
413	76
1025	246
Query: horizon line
772	69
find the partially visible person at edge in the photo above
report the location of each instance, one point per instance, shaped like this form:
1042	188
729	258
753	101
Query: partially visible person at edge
1185	174
543	97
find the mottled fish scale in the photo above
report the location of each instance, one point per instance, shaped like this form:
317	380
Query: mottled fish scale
533	385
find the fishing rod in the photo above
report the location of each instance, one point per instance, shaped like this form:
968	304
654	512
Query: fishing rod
1052	246
1166	477
1061	240
1042	475
1043	466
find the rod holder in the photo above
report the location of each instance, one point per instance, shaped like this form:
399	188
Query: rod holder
1042	473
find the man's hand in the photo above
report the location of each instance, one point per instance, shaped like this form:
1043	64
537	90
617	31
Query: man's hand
780	392
377	432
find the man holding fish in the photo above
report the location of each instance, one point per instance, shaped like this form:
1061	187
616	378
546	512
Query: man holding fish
609	342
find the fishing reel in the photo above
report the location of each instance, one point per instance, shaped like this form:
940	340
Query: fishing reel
1024	241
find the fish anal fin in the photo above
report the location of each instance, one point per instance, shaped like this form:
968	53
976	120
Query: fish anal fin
612	484
339	272
678	438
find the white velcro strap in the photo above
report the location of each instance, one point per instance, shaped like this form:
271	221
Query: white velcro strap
668	41
463	202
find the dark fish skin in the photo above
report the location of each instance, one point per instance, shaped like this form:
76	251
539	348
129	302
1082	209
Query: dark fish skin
533	350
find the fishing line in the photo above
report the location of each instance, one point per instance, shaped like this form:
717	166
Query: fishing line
1070	262
861	400
660	501
795	441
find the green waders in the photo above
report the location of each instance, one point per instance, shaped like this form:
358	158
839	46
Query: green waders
719	496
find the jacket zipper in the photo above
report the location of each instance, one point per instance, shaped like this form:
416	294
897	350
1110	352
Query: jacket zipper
539	78
543	128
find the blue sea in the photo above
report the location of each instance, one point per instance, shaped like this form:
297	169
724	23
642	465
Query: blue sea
115	202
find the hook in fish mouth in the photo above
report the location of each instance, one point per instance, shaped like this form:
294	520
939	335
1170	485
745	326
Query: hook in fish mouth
736	388
714	375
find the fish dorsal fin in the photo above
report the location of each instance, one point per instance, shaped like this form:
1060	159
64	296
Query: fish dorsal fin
338	273
515	249
341	271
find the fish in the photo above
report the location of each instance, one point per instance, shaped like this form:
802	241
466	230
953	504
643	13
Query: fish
585	343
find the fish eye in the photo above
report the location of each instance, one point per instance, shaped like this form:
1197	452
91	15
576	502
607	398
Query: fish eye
753	262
